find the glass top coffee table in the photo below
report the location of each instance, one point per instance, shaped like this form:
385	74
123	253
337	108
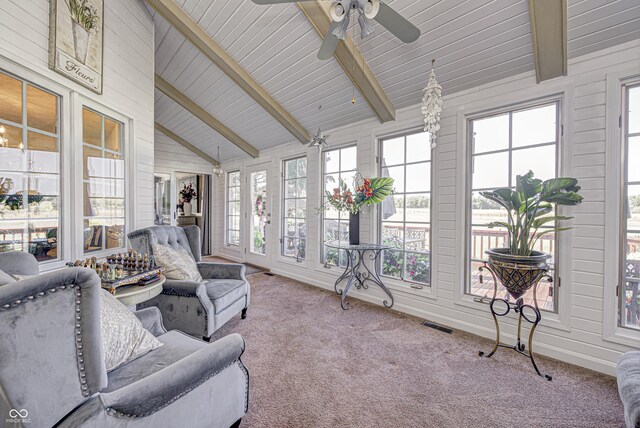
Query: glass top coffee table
358	272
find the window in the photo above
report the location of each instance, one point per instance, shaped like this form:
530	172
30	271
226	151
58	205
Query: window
104	182
503	146
406	215
338	164
294	228
30	206
233	208
630	272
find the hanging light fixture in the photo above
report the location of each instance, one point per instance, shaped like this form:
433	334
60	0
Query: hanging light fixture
3	141
217	169
432	106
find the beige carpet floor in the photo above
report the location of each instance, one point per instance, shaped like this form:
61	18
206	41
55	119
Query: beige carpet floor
312	364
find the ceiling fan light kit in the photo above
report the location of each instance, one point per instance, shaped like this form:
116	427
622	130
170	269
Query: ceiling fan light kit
340	12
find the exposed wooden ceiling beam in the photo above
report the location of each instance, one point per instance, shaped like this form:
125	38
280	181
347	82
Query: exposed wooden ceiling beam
549	33
177	96
184	143
352	62
190	29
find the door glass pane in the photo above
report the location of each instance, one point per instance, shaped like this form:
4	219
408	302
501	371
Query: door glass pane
12	135
349	159
258	216
418	147
111	135
418	177
633	208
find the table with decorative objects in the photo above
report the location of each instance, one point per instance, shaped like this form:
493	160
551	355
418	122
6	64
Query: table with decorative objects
131	295
358	272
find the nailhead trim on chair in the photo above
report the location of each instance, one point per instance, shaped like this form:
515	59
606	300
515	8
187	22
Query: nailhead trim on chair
78	327
113	412
246	376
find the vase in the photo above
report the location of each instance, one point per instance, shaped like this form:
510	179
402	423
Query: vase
518	273
186	208
80	42
354	229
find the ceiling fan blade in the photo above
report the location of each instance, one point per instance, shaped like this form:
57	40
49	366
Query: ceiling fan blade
330	43
397	24
266	2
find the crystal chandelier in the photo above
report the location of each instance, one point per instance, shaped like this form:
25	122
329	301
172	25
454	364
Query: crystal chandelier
432	106
217	169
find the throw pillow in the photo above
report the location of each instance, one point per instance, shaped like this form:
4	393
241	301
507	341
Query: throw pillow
123	336
5	278
178	264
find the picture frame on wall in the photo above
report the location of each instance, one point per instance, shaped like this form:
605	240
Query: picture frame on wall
76	41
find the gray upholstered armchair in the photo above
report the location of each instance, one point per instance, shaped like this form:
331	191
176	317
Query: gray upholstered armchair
195	308
52	369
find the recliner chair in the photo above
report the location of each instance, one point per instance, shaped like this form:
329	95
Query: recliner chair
52	369
196	308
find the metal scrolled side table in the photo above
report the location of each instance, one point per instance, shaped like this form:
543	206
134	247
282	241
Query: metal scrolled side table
357	272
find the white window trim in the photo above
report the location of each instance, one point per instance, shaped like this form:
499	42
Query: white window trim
78	102
66	141
612	331
281	229
226	209
547	91
428	293
378	224
330	269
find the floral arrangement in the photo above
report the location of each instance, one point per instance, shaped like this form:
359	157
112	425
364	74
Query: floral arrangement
187	193
368	191
83	13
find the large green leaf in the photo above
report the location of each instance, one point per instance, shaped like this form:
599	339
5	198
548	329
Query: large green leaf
507	198
527	185
381	188
570	198
554	185
500	224
544	220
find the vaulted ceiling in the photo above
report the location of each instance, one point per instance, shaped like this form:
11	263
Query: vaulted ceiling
474	42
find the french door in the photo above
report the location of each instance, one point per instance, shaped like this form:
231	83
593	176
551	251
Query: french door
258	214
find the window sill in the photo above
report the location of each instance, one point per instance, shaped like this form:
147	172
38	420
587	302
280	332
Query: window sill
623	336
292	262
549	319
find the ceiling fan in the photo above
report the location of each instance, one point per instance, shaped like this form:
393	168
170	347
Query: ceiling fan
341	11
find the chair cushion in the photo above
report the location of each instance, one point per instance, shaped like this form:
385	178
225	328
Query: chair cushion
178	264
176	346
123	336
224	292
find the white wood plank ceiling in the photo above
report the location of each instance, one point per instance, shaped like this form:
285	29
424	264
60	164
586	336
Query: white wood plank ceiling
473	41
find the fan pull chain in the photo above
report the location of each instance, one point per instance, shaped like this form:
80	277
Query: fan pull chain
353	64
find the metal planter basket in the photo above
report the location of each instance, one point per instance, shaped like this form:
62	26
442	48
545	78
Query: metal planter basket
518	273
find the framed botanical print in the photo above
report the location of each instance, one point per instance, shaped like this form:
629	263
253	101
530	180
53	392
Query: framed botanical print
76	41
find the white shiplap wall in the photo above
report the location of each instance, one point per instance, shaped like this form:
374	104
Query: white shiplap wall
128	74
171	157
576	335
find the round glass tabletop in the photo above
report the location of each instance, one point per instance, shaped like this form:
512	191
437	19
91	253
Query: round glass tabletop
344	245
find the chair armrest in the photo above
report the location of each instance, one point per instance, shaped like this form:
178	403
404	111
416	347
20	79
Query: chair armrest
628	371
151	319
150	394
181	287
210	270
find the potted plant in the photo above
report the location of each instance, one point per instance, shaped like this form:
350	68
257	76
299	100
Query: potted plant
84	19
367	191
186	195
530	207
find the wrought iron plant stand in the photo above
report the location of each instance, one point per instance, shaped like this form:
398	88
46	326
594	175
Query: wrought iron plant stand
517	279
